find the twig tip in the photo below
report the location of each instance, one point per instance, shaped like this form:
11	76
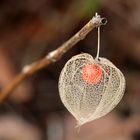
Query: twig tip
98	20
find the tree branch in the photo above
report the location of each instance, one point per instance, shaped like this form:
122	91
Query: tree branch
53	56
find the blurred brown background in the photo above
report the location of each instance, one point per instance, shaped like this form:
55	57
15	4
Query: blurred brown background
29	29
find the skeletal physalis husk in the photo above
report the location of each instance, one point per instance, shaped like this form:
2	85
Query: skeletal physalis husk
90	88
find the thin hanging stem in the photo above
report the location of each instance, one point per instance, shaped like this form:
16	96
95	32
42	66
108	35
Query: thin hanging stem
98	47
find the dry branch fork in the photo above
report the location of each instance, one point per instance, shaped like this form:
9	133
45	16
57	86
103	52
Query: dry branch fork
51	57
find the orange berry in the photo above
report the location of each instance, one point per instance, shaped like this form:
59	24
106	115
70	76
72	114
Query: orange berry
91	73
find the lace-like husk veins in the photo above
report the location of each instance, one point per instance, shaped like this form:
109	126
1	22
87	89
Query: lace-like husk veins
85	101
